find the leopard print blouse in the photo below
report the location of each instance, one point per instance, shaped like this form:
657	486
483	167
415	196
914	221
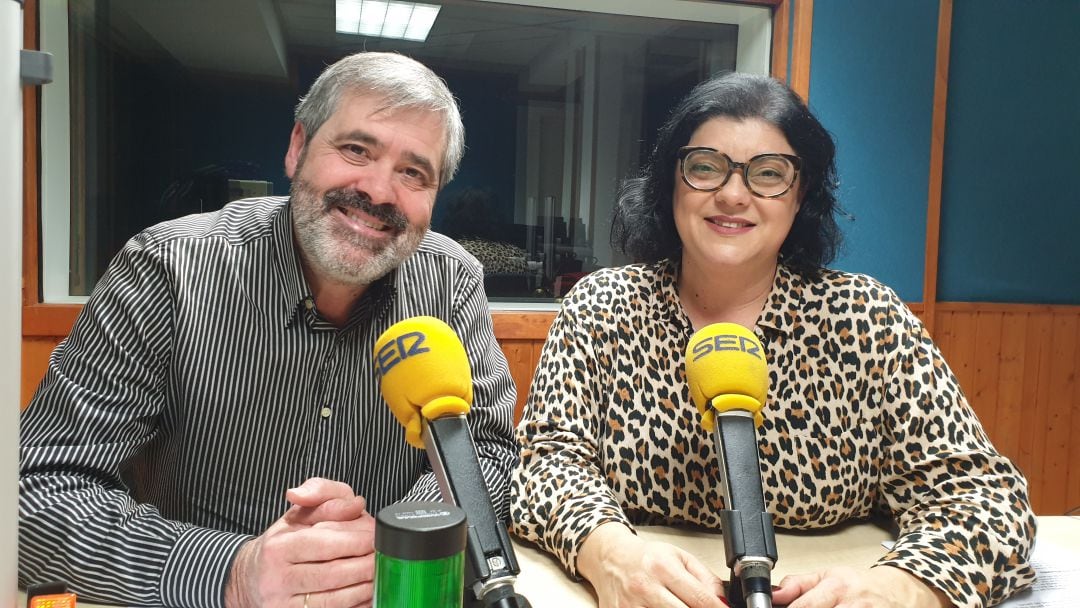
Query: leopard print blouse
863	417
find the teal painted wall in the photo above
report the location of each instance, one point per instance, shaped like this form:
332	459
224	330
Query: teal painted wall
872	86
1010	203
1011	188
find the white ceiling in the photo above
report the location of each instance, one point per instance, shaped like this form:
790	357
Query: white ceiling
232	36
255	36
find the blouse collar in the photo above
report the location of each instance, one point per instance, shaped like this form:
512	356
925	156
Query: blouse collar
779	313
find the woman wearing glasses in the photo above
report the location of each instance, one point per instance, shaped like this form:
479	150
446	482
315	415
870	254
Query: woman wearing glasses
733	220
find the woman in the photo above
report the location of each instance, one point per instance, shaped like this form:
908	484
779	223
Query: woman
732	220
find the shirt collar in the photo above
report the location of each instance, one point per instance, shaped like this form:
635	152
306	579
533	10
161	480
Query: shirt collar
294	288
785	300
668	303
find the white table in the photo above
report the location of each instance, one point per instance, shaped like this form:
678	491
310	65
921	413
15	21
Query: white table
856	545
544	582
542	577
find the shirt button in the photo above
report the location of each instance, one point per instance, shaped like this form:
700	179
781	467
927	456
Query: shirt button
309	303
325	412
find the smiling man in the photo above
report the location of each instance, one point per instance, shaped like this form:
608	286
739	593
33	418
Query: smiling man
211	433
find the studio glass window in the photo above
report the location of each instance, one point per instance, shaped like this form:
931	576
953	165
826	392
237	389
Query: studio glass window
162	109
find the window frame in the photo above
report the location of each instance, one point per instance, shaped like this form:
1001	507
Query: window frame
41	320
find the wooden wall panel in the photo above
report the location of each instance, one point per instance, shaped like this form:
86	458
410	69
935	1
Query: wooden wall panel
521	325
801	44
520	356
986	361
1018	365
942	334
781	38
937	155
1010	382
1073	479
35	360
521	336
1037	378
961	353
1062	388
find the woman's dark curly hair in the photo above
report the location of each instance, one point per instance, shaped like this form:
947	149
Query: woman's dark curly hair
644	224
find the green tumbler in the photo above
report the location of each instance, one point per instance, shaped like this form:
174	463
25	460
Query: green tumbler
419	555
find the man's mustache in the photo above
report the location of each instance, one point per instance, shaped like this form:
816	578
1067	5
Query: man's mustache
387	214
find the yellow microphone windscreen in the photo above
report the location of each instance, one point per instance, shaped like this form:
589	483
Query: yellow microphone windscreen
726	370
424	371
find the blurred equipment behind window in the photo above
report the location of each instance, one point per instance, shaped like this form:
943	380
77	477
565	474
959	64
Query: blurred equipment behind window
172	108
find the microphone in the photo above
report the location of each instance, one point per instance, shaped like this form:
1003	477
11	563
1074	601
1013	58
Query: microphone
729	378
427	383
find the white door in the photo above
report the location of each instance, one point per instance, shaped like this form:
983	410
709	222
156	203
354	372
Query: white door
10	287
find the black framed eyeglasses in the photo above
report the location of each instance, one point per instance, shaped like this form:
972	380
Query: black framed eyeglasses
766	175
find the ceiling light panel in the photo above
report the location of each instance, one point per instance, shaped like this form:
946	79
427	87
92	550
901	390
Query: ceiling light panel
386	19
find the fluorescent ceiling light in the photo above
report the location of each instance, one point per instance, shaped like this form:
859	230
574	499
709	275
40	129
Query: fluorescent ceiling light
386	19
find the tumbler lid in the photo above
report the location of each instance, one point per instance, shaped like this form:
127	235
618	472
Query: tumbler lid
420	530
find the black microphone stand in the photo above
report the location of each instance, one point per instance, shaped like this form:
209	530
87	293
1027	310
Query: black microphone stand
491	568
749	539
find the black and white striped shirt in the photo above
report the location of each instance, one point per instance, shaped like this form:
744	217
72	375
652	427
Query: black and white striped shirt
199	383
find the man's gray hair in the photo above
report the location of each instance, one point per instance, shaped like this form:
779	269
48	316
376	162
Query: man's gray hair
401	83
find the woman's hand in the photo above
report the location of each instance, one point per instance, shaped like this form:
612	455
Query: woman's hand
628	572
883	586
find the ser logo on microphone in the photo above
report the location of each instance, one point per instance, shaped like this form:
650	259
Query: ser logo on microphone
396	351
729	342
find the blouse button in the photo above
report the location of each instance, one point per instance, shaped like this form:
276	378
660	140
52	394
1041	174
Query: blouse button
325	412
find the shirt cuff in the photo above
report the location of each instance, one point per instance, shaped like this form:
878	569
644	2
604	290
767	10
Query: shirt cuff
942	563
198	568
573	521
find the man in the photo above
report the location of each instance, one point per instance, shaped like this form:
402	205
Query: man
225	358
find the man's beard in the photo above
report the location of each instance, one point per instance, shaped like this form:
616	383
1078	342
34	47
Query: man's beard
341	255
